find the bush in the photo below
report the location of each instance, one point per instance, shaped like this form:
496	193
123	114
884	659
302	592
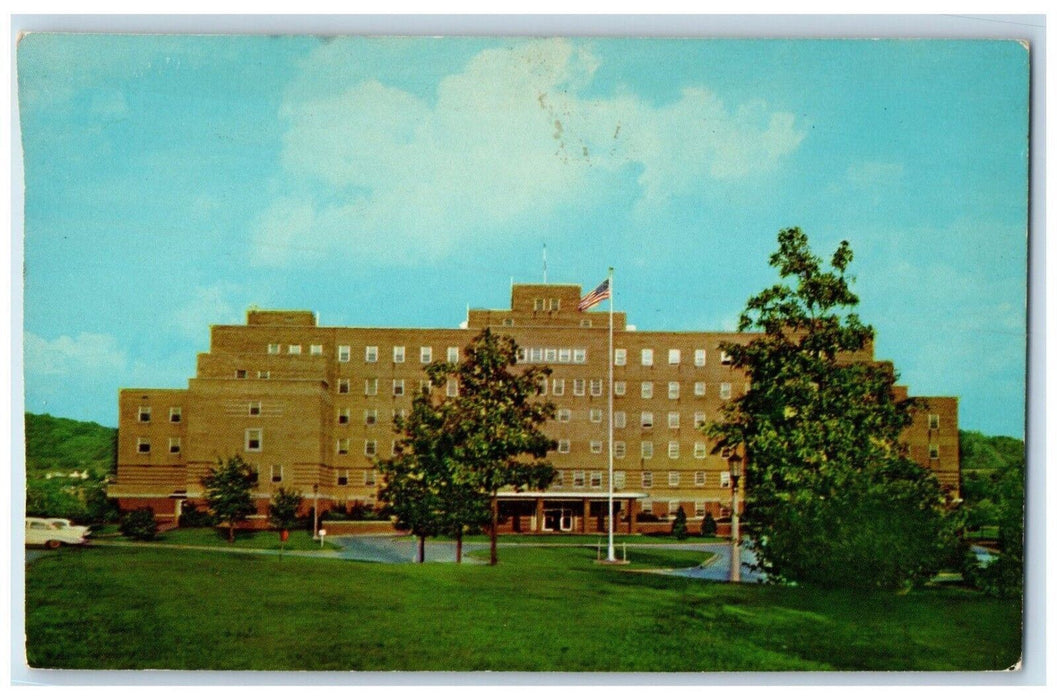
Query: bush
192	517
140	524
708	525
646	517
679	525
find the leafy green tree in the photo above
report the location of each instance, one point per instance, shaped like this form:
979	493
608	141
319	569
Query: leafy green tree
495	423
708	525
832	498
282	511
679	530
228	492
139	524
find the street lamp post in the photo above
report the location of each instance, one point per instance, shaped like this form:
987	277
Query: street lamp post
735	533
315	510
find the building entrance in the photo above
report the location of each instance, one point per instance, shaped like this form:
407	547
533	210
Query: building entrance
557	520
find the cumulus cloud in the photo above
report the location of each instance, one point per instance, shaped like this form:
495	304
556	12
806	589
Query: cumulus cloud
508	139
206	306
65	355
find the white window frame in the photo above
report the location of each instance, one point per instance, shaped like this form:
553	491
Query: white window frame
315	349
344	353
278	480
342	446
452	388
579	387
647	481
425	354
700	388
700	419
934	451
620	419
370	386
724	480
674	356
344	386
370	353
673	420
344	415
398	387
341	477
550	354
673	478
558	387
370	448
646	390
579	478
595	415
700	450
453	353
700	356
565	355
725	358
251	435
596	447
174	442
399	354
620	478
620	388
293	349
646	450
564	447
564	415
579	356
264	374
144	411
176	414
646	357
370	416
253	408
620	356
620	449
724	390
275	348
596	387
370	477
673	449
934	421
142	443
646	419
699	478
673	390
595	480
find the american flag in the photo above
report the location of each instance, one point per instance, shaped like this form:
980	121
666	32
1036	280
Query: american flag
600	292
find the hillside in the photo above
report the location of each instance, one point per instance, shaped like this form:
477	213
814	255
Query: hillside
63	445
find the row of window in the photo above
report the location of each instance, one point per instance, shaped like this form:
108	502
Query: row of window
594	479
576	356
370	386
370	353
675	357
646	451
175	414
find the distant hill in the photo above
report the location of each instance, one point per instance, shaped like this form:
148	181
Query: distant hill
985	453
62	445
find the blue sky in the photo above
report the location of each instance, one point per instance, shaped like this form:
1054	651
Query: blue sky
172	182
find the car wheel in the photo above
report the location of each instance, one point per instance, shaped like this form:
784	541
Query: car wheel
53	544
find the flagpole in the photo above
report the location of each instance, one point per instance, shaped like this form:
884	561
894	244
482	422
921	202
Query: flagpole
612	554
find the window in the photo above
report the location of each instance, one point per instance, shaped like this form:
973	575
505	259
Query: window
563	447
673	507
255	408
674	356
647	357
585	323
673	449
542	388
264	374
536	354
596	447
558	387
425	354
315	349
724	390
537	305
144	414
277	473
620	388
398	353
559	478
398	387
596	387
274	348
343	386
579	355
673	419
647	450
343	446
700	450
673	390
370	353
343	416
596	415
578	479
554	304
508	322
344	353
370	477
725	358
647	481
550	354
174	445
564	415
370	387
596	480
699	478
620	419
620	356
294	349
699	509
647	390
370	448
565	355
699	388
934	421
370	416
143	445
579	386
699	358
724	480
619	479
175	414
647	419
453	354
619	449
647	505
934	451
343	477
673	478
453	387
254	439
699	419
240	374
424	386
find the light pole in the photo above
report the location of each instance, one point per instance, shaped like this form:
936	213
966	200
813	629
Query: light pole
315	510
735	533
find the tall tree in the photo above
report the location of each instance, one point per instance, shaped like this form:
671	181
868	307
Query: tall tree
832	497
228	491
282	511
495	422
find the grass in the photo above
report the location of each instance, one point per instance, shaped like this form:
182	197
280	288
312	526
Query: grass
539	610
244	539
594	539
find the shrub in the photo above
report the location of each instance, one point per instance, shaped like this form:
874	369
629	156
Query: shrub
679	525
192	517
708	525
139	524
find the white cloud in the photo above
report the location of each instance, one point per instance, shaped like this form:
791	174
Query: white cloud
207	306
66	356
506	140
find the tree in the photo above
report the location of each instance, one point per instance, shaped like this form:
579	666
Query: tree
494	424
228	492
832	497
139	524
708	525
679	524
282	511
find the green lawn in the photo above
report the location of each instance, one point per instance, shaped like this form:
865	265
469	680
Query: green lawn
539	610
594	539
244	539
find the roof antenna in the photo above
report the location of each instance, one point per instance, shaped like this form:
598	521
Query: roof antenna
544	263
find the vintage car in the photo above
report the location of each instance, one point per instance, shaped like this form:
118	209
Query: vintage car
54	532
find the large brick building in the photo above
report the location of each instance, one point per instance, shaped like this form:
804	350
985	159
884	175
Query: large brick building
312	407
